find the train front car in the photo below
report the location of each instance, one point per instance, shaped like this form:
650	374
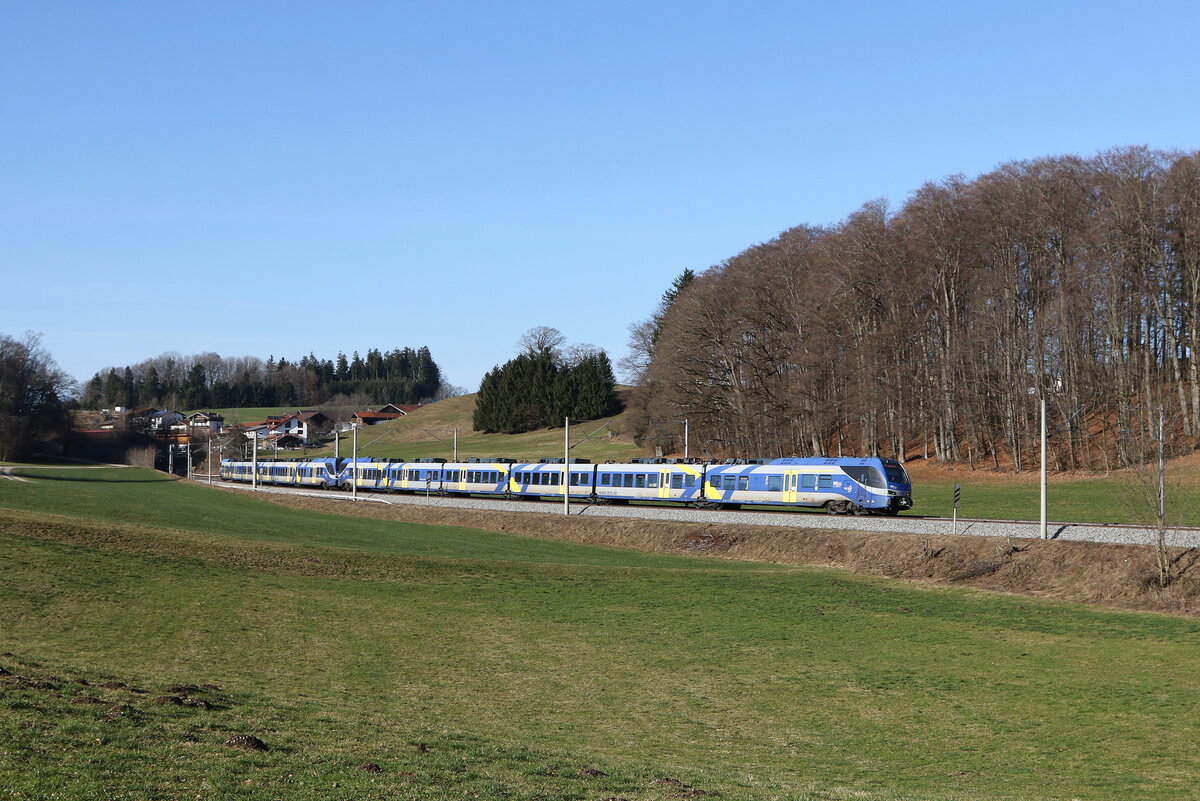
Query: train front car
839	485
899	486
847	485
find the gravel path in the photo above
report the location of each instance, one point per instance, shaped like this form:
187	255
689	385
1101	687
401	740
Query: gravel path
1085	532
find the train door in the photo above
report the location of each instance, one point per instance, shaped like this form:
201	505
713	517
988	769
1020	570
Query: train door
791	483
664	484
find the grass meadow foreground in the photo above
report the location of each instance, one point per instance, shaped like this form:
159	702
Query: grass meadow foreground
144	622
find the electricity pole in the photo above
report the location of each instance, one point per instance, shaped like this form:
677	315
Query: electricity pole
1043	482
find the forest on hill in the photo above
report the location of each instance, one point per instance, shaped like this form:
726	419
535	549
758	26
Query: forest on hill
936	329
401	375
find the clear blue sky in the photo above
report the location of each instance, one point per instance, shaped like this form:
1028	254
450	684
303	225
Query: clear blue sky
258	178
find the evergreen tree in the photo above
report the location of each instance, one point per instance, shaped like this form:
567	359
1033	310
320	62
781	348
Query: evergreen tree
113	389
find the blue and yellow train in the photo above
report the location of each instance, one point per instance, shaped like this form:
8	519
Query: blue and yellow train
867	485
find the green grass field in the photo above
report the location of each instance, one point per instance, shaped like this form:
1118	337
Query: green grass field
468	665
1124	496
247	414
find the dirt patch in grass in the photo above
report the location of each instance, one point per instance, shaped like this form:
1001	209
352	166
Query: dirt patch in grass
1097	573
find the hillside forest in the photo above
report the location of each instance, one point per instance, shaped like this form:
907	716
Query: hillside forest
401	375
935	329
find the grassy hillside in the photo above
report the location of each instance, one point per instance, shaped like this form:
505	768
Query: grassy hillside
429	432
247	414
469	664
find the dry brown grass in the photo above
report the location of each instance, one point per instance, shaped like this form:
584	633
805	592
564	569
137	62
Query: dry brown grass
1094	573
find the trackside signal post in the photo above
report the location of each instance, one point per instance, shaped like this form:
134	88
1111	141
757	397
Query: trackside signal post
957	498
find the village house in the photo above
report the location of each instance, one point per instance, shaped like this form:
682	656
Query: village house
211	422
391	411
306	426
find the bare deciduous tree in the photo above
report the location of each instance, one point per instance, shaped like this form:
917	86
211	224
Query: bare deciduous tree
934	330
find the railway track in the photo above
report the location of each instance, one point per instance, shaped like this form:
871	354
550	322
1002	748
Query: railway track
1185	537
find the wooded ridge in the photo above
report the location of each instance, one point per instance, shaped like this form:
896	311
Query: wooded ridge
936	329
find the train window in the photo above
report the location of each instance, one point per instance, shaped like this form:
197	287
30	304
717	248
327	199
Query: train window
677	481
604	478
774	483
689	481
652	481
865	475
715	482
809	481
628	479
743	482
641	481
730	482
553	479
825	482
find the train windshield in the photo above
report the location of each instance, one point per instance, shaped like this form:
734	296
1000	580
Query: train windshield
896	473
867	476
